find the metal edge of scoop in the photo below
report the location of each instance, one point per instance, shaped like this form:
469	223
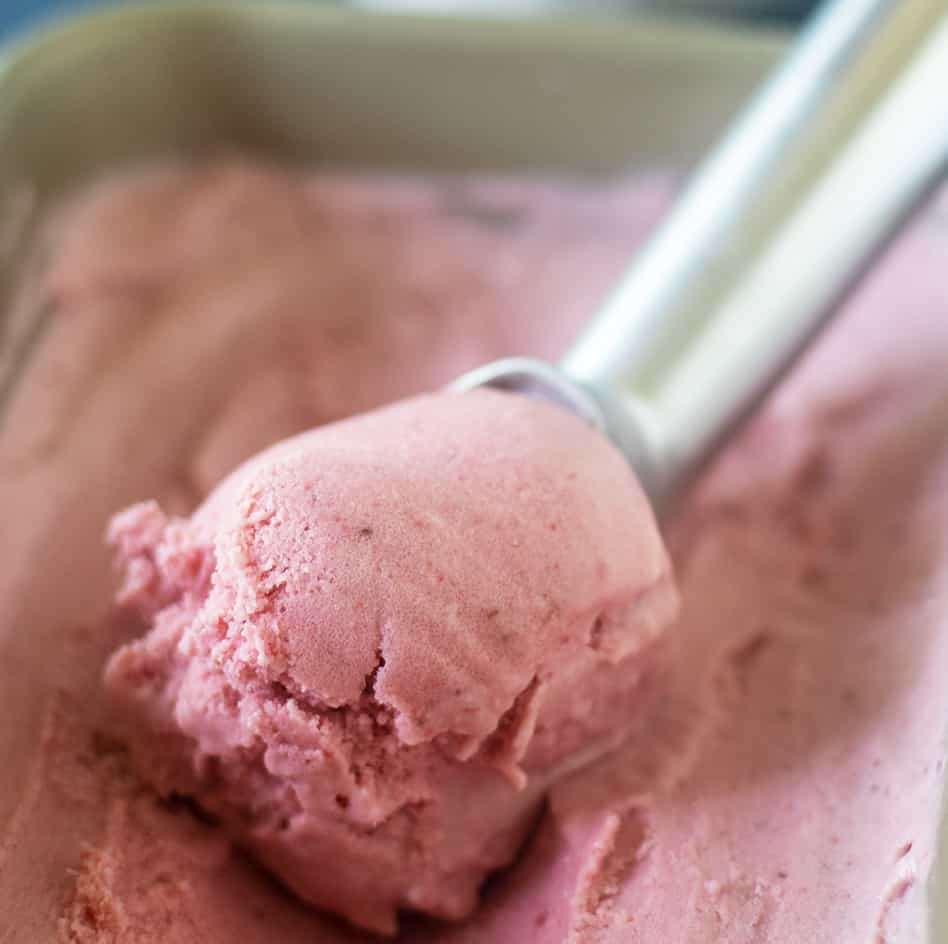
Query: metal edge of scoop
624	422
845	138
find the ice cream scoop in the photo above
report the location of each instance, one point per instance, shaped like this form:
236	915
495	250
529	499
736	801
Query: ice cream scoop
812	181
376	645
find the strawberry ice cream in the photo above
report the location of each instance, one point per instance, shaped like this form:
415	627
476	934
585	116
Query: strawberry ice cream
781	768
378	643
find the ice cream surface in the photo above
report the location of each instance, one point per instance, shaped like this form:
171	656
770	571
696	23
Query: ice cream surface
378	643
782	769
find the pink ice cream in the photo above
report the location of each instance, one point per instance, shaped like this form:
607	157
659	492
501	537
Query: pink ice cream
783	763
377	644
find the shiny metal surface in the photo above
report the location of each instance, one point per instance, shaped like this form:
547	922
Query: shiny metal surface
816	176
623	420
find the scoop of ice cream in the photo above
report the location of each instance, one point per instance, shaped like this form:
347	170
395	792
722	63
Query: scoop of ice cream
377	644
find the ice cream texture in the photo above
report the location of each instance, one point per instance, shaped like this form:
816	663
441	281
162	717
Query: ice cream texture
781	773
378	643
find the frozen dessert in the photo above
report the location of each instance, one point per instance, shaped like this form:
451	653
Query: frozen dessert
377	643
781	771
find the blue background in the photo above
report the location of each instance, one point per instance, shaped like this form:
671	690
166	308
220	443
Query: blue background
17	15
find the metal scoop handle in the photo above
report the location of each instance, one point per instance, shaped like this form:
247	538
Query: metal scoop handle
827	161
809	184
